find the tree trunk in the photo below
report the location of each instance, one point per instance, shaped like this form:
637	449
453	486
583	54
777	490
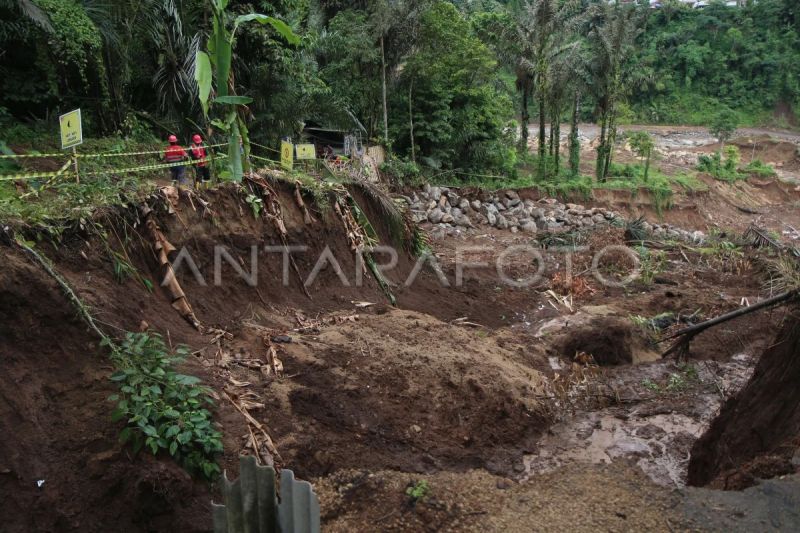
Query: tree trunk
647	166
385	107
574	146
526	117
557	144
411	121
611	138
601	146
542	146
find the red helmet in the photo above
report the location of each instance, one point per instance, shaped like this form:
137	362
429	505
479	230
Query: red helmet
172	139
197	139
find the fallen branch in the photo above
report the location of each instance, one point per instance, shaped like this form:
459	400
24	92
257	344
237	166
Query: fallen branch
689	332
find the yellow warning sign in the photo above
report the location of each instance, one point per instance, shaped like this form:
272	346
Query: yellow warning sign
287	155
71	131
306	151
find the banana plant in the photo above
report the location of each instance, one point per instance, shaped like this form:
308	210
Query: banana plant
215	62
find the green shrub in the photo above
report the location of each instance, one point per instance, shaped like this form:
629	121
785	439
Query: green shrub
163	410
723	169
759	168
402	171
418	490
651	263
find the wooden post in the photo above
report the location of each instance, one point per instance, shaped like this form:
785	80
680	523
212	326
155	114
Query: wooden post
75	158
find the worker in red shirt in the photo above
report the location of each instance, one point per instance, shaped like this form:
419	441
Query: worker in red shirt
176	154
199	154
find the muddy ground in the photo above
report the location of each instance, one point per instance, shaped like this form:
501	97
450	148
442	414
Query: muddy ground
546	407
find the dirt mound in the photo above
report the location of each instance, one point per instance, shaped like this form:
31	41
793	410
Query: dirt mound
762	420
57	431
404	390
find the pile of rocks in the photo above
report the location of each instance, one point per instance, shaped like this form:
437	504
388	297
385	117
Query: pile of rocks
447	210
668	231
504	210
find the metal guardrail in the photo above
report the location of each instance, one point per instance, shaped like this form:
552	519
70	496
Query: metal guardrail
254	504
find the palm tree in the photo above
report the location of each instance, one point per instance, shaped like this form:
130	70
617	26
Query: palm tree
29	10
543	28
612	32
564	83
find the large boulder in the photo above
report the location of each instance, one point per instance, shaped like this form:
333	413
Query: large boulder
453	198
435	215
462	220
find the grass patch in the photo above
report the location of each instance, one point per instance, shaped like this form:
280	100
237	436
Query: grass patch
66	204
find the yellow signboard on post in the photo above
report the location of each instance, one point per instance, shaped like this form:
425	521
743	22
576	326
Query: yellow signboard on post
306	151
71	131
287	155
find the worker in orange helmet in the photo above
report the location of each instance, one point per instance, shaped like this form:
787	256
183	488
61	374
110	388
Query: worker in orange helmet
176	154
199	154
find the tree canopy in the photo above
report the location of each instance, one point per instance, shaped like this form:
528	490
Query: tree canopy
452	84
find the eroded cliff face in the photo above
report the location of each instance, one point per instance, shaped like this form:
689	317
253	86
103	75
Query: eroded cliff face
757	431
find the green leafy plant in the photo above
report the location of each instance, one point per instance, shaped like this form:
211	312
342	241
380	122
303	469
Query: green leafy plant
723	169
651	385
122	268
676	382
255	203
418	491
163	409
642	143
651	263
759	168
216	61
724	124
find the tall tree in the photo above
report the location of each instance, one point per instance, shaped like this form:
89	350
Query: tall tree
612	33
543	29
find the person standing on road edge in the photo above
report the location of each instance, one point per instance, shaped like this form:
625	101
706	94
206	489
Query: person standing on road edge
199	154
175	154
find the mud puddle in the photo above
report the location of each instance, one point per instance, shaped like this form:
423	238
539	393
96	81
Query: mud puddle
666	408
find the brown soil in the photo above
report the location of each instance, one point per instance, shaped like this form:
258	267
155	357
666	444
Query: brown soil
449	397
782	154
610	340
403	390
56	427
452	386
757	431
567	500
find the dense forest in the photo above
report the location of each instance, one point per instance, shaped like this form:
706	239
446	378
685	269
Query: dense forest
443	84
